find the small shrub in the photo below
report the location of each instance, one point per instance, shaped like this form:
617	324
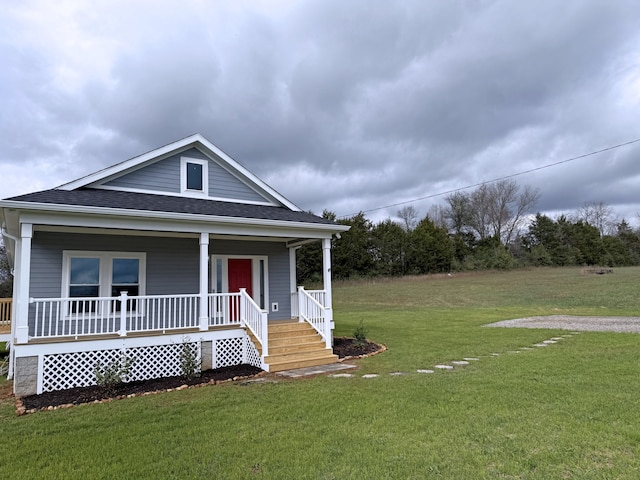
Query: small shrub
360	333
190	362
114	373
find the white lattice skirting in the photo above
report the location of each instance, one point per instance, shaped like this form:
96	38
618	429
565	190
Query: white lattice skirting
78	369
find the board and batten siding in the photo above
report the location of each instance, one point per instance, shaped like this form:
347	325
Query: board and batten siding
164	176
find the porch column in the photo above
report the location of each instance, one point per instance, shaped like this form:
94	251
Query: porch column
326	270
22	284
293	286
204	282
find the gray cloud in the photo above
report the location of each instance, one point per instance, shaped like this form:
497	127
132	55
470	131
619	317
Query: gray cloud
341	105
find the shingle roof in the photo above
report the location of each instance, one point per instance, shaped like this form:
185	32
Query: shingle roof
164	203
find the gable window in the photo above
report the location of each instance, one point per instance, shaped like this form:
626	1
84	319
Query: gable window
102	274
194	176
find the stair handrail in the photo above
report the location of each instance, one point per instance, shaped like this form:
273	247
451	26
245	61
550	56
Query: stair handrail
315	314
255	319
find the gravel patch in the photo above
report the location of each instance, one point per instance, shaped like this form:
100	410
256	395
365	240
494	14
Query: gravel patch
580	324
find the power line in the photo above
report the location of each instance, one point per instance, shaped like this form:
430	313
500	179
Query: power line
496	179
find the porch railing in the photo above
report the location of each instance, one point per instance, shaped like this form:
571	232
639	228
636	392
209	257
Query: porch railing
5	315
224	309
83	316
86	316
315	313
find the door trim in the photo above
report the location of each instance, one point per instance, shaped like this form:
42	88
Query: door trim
260	286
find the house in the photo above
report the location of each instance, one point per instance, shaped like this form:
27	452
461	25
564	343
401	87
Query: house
181	247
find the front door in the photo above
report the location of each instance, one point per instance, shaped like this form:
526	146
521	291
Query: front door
240	275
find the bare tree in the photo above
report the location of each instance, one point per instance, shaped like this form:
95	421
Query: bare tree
599	215
496	209
438	215
409	216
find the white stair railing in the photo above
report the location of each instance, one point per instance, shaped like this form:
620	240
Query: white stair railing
310	310
254	319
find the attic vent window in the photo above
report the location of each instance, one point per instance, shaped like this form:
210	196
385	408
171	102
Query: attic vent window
194	176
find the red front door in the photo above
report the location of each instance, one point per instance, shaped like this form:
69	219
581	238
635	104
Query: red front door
240	275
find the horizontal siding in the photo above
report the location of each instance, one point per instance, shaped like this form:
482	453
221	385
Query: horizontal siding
172	263
278	265
178	256
164	176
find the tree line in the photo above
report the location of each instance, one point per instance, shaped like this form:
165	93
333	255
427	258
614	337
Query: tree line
488	228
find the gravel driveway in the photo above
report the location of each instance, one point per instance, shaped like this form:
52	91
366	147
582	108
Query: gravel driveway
569	322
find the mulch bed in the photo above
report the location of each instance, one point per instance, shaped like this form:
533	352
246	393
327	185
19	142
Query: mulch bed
344	347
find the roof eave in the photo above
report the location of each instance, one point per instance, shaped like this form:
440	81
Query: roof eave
196	218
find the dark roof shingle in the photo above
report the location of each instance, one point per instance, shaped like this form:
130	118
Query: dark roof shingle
164	203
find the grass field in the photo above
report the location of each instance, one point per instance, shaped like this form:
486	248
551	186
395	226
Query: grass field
570	410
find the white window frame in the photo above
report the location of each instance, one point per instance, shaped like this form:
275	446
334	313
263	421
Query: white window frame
255	275
183	177
106	273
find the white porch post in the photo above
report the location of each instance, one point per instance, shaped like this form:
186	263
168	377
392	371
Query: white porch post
326	270
204	282
293	281
326	275
22	294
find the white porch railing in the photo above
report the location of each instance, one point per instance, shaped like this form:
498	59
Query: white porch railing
5	315
224	309
83	316
254	319
315	313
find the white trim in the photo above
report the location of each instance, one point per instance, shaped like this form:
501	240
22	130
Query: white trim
255	275
184	174
185	194
105	269
172	216
197	141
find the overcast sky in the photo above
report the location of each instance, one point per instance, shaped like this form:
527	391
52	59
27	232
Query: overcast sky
345	105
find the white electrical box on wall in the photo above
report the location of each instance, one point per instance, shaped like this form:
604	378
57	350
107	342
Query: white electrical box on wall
274	307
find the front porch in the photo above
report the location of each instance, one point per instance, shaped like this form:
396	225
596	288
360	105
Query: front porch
68	337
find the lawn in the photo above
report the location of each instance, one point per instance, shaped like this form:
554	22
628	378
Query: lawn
569	410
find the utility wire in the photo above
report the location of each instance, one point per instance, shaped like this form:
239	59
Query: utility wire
495	179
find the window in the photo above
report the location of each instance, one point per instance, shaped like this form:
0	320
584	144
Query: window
194	176
102	274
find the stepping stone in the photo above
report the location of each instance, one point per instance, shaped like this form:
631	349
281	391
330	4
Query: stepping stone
540	345
526	348
471	359
460	362
424	371
370	375
495	354
556	338
549	341
342	375
397	374
567	336
444	367
514	351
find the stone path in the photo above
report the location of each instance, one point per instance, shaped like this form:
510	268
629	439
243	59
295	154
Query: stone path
444	367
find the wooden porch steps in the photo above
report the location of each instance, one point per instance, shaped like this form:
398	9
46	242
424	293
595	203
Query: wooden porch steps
294	344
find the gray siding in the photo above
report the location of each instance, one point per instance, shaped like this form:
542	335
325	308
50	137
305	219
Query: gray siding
278	265
172	263
164	176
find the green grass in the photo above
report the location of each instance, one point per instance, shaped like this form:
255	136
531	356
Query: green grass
570	410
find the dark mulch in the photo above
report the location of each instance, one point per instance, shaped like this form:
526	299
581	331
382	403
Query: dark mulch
343	347
350	347
76	396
